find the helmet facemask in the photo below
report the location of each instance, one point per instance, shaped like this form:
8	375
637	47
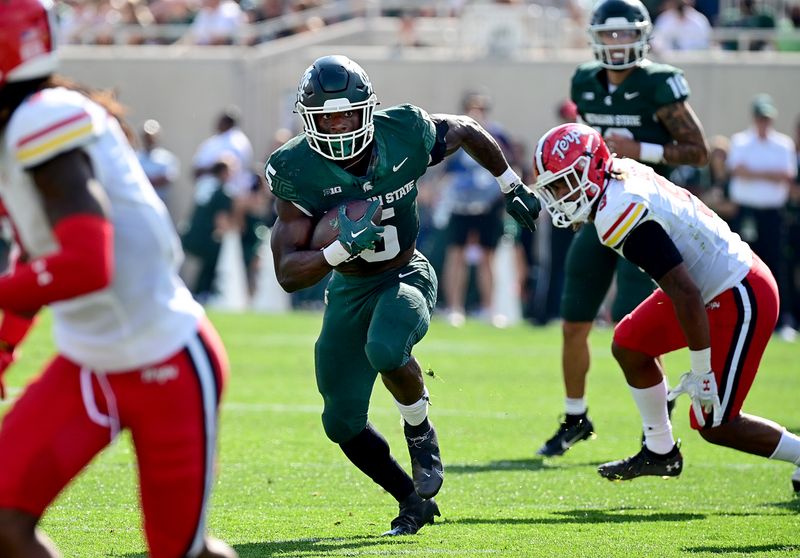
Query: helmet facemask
334	84
571	163
572	204
623	55
339	147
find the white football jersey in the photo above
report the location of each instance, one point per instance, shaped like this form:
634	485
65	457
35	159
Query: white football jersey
716	257
147	313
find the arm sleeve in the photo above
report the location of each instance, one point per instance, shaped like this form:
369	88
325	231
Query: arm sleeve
439	148
83	264
649	247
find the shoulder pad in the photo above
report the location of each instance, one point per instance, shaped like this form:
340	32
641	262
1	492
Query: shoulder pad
409	119
586	71
284	165
52	122
618	214
667	83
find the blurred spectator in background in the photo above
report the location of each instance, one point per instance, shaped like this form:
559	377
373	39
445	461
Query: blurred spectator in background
229	138
160	165
219	22
210	218
550	279
171	12
710	9
79	20
715	180
749	15
681	27
763	164
788	27
793	250
263	10
476	220
258	214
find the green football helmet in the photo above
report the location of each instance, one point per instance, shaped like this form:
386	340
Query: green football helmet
628	23
336	84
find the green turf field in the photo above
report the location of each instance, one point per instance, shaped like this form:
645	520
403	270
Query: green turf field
284	490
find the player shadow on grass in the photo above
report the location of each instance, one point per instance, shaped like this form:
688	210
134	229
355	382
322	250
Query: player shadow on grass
580	516
300	548
747	549
533	464
793	504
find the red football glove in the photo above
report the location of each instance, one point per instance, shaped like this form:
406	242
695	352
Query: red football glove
13	330
6	359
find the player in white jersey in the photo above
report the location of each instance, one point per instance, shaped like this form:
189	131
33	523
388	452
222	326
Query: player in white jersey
715	297
134	349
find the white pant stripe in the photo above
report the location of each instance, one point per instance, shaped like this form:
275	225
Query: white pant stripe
738	355
205	374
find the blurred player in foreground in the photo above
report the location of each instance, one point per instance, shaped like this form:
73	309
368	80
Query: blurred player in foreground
134	349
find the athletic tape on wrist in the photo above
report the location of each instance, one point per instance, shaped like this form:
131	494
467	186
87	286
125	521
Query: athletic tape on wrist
335	253
651	152
508	180
700	360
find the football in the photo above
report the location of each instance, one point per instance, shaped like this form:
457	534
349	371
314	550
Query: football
327	229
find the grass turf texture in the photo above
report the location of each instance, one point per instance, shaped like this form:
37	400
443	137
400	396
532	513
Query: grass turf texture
285	490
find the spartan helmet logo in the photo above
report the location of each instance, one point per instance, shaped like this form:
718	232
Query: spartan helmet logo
304	81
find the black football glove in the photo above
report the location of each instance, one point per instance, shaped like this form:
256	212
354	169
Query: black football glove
523	205
360	235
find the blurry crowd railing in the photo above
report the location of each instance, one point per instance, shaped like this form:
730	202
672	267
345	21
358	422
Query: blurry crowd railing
500	26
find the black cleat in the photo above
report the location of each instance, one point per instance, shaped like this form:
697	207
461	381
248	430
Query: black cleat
568	434
415	513
644	463
796	481
426	462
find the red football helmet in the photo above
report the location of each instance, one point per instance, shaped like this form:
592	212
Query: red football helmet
27	40
571	163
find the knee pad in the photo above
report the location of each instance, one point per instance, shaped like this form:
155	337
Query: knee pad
338	429
384	357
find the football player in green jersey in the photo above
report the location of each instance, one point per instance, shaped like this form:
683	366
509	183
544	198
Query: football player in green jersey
641	109
382	291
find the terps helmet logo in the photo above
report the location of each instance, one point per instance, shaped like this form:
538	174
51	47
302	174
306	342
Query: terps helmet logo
32	43
562	144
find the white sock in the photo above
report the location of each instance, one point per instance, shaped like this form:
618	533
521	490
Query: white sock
415	413
788	448
652	404
575	405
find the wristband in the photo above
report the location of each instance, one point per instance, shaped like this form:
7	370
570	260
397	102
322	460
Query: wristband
508	180
651	152
700	360
335	253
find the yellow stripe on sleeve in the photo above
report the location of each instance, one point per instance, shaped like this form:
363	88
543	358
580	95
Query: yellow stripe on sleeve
31	153
625	227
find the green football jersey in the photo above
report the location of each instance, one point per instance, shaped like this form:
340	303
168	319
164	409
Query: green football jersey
631	109
404	137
